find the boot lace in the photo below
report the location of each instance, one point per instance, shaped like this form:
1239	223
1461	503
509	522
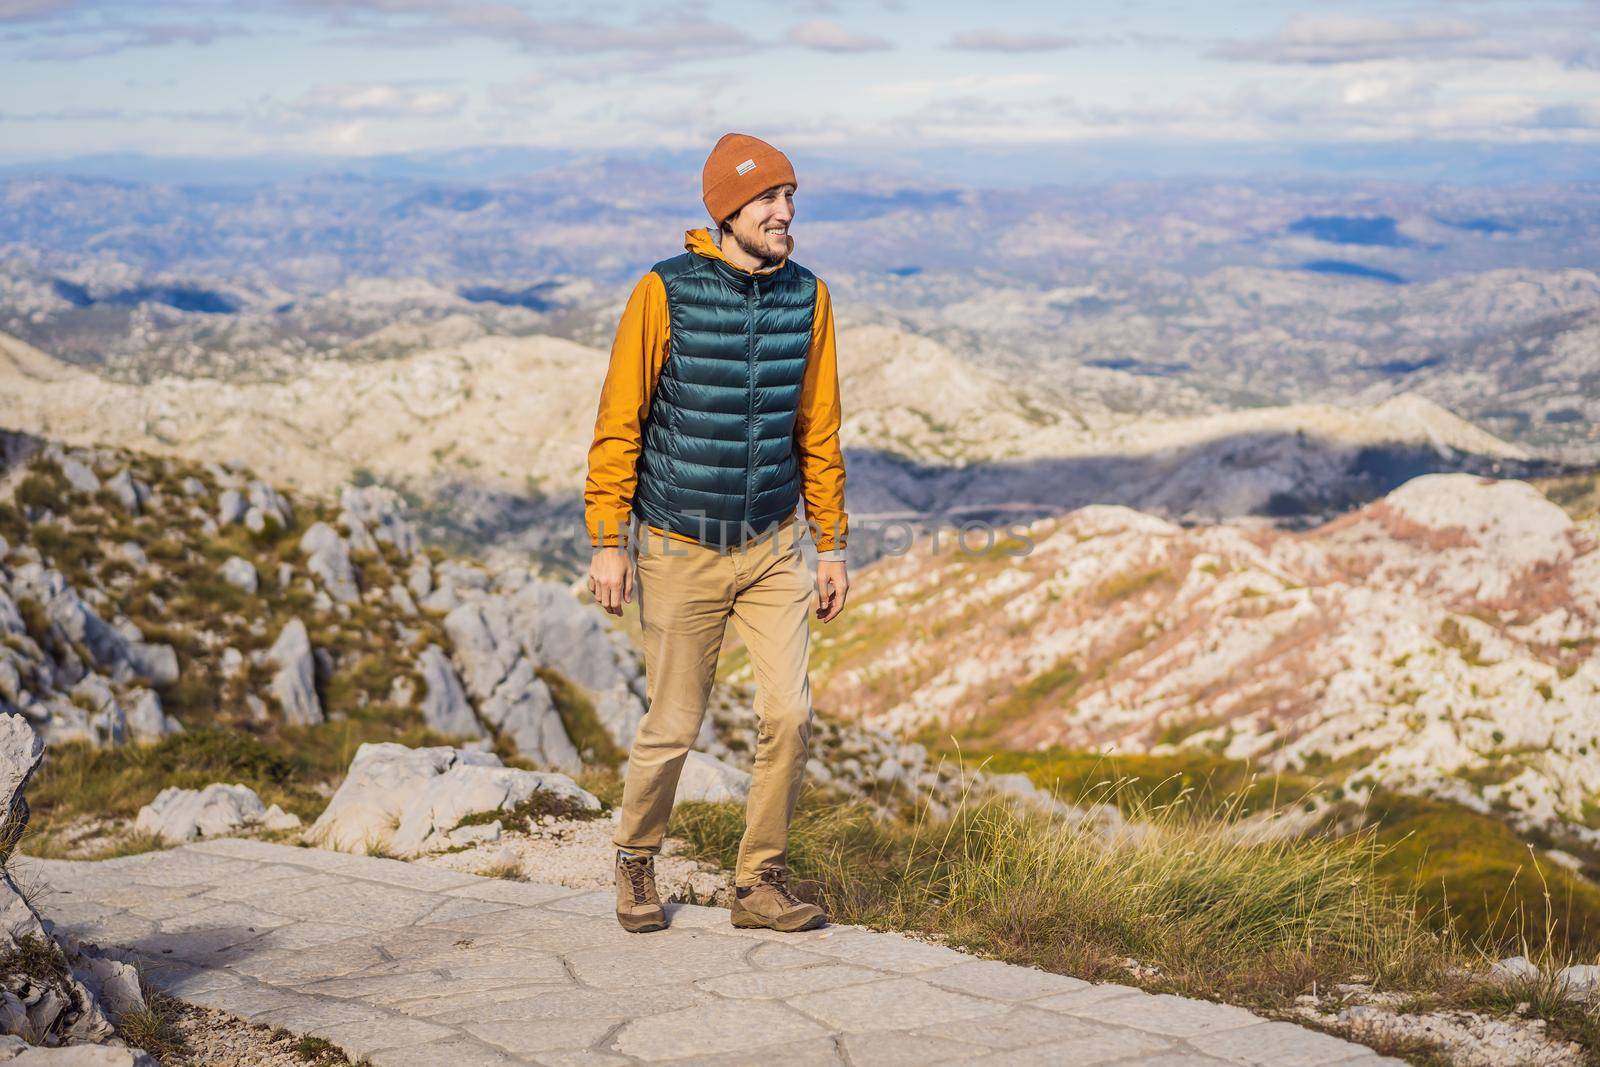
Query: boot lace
778	880
640	871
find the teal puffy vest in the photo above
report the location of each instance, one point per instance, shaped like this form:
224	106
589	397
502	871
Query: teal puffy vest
717	460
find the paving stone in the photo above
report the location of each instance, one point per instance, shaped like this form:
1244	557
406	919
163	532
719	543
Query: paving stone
112	928
1107	1047
310	1013
714	1028
386	989
891	1004
369	904
896	1048
793	981
406	964
414	875
1167	1014
546	1003
1016	1028
818	1052
508	892
887	952
246	848
454	1052
360	1039
292	937
293	880
1279	1044
585	1058
247	999
684	958
449	908
529	1037
192	869
775	955
295	966
196	946
1093	994
599	902
1002	981
512	920
187	980
694	915
463	954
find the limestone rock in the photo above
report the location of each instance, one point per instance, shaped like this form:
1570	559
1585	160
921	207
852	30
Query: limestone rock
1514	969
1580	981
445	707
79	476
379	509
178	815
40	1005
408	799
523	709
132	493
231	506
17	1052
328	557
294	683
269	504
240	573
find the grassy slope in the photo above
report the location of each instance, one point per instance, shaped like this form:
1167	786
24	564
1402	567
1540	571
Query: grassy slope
1465	868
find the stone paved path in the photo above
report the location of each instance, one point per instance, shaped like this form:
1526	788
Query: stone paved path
420	966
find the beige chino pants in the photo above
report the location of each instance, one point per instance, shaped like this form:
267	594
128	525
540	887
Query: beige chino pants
686	593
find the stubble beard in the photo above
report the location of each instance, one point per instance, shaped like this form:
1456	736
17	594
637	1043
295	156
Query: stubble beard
761	252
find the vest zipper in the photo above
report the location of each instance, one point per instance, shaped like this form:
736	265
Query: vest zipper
750	381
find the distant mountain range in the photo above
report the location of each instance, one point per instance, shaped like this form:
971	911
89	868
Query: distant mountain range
1137	298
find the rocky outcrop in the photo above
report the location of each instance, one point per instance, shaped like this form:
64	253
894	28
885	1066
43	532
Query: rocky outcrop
406	800
445	706
294	684
498	668
328	557
52	991
178	815
240	573
1441	639
69	672
377	512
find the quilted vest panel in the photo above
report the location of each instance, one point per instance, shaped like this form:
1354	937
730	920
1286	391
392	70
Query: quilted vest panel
717	460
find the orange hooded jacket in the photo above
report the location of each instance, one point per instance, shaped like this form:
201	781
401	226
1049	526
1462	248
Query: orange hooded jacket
637	356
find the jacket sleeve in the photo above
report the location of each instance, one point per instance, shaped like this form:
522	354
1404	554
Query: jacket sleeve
816	435
637	355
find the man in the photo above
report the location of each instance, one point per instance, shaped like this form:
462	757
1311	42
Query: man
719	413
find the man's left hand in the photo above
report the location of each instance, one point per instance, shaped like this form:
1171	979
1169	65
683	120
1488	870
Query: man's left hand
832	586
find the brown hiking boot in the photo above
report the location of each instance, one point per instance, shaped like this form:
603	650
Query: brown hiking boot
638	906
769	905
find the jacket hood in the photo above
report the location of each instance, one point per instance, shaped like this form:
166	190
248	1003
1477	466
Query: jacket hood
701	242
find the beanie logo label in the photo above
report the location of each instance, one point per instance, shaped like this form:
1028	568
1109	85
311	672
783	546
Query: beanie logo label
746	167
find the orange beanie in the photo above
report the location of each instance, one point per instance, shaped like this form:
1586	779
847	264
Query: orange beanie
740	169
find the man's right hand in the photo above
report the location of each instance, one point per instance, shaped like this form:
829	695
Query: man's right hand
611	578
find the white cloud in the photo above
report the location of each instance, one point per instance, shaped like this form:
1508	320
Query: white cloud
1328	39
18	10
378	100
825	35
1003	41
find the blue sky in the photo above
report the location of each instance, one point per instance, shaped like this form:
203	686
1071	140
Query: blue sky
358	77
